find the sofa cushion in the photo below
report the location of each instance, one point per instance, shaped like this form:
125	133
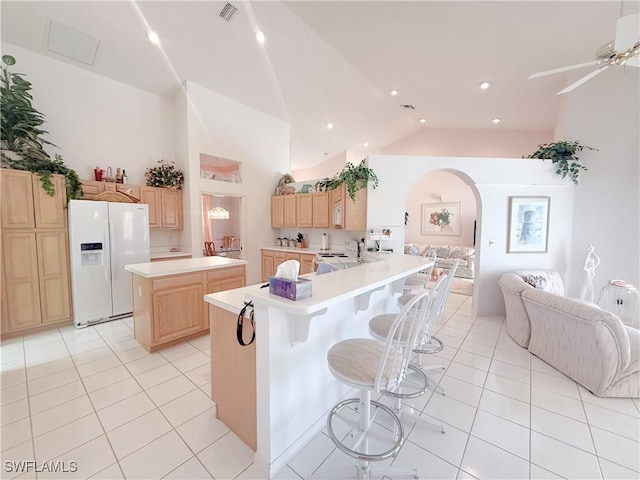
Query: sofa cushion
443	252
411	249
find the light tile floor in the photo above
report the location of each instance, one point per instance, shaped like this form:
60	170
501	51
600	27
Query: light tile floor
94	396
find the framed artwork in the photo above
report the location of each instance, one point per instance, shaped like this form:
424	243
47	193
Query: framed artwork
441	219
528	224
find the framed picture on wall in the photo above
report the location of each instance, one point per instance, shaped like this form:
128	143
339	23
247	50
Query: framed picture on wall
528	224
441	218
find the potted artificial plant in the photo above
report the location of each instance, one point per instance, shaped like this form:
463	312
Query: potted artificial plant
21	144
564	155
354	177
164	175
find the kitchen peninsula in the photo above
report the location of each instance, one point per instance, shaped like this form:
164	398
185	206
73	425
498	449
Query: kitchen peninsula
167	297
275	393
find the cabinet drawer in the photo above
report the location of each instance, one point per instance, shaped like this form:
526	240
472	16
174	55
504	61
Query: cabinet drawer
225	273
176	281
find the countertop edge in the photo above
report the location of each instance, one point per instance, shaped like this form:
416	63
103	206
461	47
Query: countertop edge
177	267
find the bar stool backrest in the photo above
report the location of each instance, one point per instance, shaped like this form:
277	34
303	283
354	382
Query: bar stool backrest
436	294
395	357
447	287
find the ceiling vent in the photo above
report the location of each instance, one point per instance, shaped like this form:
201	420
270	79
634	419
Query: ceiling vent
408	107
72	43
227	12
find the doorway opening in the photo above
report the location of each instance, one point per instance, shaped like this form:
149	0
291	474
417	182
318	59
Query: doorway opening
222	225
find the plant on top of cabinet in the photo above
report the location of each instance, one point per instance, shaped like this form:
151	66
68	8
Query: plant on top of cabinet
564	155
166	174
353	176
22	145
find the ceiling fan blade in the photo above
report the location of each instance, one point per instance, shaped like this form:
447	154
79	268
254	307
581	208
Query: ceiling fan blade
562	69
627	32
582	80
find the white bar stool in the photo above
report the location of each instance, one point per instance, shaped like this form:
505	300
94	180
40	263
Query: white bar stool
373	367
420	279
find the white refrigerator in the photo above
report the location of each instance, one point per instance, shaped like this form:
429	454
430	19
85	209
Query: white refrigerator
103	238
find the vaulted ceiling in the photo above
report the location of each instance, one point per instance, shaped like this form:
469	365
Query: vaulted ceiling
336	61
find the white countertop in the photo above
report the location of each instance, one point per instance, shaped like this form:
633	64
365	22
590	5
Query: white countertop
176	267
310	251
328	288
169	254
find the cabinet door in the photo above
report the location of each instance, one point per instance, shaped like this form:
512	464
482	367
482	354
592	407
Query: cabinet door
277	212
50	211
171	208
20	265
278	258
133	190
355	211
292	256
290	219
306	264
268	266
91	188
17	199
304	210
177	312
320	210
151	196
53	267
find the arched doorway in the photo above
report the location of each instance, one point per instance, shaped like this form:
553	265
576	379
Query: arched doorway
453	193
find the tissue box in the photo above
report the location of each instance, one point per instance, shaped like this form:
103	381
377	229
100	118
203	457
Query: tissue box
291	289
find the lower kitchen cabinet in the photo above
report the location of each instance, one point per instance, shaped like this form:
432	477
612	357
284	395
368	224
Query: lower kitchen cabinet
171	309
272	258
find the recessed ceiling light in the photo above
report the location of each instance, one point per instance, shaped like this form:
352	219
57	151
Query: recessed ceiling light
485	85
393	92
329	126
153	37
260	37
423	120
496	120
365	144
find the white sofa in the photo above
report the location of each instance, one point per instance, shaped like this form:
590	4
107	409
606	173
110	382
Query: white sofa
512	284
586	343
446	255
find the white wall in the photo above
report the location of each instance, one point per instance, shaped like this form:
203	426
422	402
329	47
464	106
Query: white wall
494	185
95	120
604	113
437	187
222	127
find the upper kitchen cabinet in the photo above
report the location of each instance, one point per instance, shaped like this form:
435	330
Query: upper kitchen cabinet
277	212
171	208
320	209
304	210
27	205
165	207
349	214
290	211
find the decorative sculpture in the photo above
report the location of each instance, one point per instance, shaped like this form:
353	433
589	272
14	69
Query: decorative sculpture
590	264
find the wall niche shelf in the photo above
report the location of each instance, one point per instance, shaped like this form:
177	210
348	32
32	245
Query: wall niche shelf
219	169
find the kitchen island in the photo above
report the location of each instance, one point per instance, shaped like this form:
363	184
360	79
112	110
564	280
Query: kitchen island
167	297
283	376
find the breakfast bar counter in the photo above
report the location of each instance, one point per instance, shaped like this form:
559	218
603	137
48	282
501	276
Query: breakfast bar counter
283	376
167	297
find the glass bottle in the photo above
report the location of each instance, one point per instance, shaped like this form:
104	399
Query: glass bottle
118	176
124	176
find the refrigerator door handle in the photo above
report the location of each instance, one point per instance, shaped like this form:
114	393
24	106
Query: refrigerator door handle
107	277
112	246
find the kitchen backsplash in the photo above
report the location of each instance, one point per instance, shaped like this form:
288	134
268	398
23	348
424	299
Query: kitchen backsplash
337	238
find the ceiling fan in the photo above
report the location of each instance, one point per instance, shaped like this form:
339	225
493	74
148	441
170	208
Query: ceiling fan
625	50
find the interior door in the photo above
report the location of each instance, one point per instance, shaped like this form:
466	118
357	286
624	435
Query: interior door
129	235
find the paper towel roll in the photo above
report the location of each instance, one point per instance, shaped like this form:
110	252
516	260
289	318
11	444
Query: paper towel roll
325	242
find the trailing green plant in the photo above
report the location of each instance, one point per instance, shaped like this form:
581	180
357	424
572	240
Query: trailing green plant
564	155
354	176
166	174
21	144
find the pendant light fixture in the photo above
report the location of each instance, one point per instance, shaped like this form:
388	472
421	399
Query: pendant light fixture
218	213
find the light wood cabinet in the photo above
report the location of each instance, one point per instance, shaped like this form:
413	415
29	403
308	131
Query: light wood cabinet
320	209
151	196
170	208
306	263
304	210
54	276
277	211
170	309
22	286
34	254
290	215
354	212
271	259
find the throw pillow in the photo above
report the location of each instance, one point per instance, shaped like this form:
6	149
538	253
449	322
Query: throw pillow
411	249
457	253
443	252
536	281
